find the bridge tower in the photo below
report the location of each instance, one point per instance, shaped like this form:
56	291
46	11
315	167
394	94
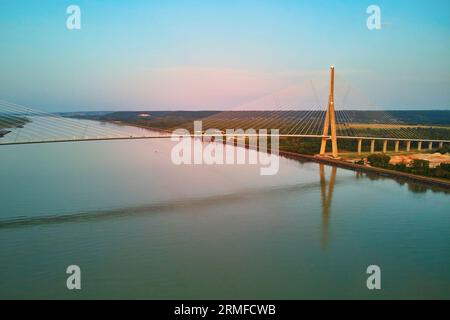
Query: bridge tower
330	121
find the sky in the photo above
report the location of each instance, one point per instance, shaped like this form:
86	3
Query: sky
223	54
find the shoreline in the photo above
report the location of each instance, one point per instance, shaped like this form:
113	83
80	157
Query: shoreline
137	126
4	132
430	181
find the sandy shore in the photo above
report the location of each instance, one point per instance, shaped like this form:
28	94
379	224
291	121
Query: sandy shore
435	159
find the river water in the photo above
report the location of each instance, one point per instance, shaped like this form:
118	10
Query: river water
139	226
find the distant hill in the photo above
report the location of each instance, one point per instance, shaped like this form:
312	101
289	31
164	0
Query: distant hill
416	117
420	117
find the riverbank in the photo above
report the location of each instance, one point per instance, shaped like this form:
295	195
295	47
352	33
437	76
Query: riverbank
380	171
3	133
122	123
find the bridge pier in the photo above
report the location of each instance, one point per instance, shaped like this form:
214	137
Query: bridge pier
384	146
372	146
419	145
408	146
359	146
430	145
396	145
323	146
441	144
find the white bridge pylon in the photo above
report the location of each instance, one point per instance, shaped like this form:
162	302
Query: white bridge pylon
330	121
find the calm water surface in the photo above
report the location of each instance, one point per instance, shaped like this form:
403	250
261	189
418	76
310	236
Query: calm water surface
141	227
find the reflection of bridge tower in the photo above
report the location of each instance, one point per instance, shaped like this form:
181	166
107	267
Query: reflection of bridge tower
326	201
330	120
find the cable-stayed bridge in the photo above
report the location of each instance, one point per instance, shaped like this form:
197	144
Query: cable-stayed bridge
22	125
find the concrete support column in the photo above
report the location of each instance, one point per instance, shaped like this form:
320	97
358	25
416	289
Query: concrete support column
359	146
408	146
396	145
384	146
323	146
419	145
430	145
441	144
372	146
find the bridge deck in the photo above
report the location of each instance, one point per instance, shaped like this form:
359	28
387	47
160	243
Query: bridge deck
77	139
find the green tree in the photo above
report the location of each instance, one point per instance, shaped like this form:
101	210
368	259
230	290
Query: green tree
441	173
401	167
420	166
379	160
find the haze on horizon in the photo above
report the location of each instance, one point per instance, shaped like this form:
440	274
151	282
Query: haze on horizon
225	54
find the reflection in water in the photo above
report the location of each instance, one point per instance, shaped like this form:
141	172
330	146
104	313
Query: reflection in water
414	187
326	196
193	203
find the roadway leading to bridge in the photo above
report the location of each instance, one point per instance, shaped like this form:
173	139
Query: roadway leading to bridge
78	139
